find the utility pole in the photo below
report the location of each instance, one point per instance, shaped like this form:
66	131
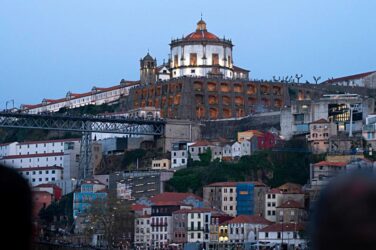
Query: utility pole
351	120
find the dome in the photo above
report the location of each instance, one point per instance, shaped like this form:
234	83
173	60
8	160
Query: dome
201	33
148	57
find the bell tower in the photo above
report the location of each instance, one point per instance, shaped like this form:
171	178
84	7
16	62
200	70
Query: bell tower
147	70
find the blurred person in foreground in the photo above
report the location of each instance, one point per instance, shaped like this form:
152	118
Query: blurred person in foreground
15	210
345	214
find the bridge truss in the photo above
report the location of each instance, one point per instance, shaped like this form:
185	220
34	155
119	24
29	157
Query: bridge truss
85	124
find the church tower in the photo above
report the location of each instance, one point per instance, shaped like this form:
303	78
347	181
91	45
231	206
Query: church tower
147	70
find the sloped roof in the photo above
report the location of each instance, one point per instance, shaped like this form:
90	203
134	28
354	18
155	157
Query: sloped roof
291	204
234	183
322	120
285	227
330	163
172	198
201	143
138	207
249	219
351	77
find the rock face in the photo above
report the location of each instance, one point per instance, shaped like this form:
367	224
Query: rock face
228	128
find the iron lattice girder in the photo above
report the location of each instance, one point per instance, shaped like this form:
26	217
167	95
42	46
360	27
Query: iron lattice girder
117	125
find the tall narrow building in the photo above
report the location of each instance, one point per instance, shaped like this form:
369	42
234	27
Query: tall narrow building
147	70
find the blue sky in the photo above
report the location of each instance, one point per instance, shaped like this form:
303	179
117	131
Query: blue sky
50	47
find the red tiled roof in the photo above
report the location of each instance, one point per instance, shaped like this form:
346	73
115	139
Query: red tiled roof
78	95
249	219
5	144
138	207
290	188
329	163
201	143
40	168
171	198
287	227
351	77
274	191
234	183
290	204
322	120
47	185
49	141
32	155
37	192
201	35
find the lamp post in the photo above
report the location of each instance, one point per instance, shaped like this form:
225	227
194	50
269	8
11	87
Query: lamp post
9	101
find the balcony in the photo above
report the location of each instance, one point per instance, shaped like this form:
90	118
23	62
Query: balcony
158	224
205	230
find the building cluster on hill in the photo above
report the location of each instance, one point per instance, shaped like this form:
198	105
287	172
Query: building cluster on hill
200	84
230	214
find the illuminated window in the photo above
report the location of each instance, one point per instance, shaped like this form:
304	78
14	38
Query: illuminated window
193	59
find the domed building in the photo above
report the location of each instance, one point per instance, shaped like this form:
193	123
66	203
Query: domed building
201	82
202	53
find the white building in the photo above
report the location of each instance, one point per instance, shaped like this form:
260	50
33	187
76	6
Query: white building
199	147
367	79
59	156
142	231
41	175
287	233
227	151
97	96
198	225
236	150
202	53
179	154
245	228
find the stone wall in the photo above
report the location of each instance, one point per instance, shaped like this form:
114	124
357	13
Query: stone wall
228	128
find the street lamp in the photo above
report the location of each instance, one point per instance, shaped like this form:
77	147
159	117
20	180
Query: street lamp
9	101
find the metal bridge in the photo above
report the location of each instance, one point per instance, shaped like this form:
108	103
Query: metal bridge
86	124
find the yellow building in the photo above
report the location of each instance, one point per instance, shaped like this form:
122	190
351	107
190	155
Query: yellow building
164	164
246	135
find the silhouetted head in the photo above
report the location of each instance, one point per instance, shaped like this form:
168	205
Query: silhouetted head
345	215
15	210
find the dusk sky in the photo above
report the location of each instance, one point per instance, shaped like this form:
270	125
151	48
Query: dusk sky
48	48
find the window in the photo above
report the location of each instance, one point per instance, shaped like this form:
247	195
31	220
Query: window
176	62
266	235
174	161
193	71
40	179
174	153
183	161
193	59
53	171
215	59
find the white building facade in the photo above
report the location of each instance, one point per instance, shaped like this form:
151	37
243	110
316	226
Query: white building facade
44	161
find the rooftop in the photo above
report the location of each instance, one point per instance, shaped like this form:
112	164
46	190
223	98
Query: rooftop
285	227
249	219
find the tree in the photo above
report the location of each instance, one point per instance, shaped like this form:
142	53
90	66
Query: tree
113	219
205	157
